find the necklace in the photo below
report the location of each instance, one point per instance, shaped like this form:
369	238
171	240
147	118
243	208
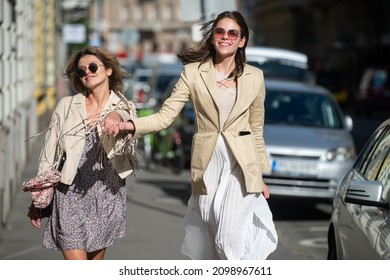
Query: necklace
222	80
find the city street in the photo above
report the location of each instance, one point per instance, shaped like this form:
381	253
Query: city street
155	225
154	221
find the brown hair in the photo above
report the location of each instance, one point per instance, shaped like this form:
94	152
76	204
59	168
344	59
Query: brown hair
108	59
205	51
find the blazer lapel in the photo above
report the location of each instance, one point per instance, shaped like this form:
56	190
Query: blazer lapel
79	103
207	72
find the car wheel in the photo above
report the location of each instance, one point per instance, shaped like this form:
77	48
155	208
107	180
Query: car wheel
332	251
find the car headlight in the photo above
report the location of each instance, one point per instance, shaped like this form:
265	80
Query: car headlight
340	154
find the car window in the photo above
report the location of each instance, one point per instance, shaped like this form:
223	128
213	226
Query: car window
163	81
281	64
369	151
143	78
306	109
375	83
376	162
384	177
280	70
379	79
378	169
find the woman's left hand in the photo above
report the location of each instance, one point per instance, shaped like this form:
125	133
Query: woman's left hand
110	124
35	216
265	191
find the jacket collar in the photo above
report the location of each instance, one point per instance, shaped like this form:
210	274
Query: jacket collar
79	102
208	73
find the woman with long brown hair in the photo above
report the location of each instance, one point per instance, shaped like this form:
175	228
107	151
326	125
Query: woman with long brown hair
228	216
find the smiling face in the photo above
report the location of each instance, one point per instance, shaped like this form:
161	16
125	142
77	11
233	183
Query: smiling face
93	76
225	39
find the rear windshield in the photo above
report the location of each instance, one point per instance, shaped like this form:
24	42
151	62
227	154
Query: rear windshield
274	69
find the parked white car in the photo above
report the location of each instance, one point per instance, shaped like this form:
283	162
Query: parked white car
278	63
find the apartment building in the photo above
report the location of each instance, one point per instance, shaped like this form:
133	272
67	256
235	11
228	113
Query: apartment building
132	28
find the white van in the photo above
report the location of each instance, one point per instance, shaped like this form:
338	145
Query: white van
278	63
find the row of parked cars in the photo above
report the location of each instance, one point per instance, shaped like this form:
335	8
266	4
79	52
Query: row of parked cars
312	152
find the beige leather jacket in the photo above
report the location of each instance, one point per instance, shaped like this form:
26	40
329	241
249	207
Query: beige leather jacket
243	129
66	133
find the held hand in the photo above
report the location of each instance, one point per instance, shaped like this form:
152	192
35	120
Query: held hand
266	193
126	126
35	215
110	124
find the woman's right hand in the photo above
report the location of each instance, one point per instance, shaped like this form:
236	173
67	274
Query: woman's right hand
119	127
35	215
265	191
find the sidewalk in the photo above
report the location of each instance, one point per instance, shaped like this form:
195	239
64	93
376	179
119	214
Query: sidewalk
155	221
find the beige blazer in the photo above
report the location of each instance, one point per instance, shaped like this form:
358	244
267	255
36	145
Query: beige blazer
66	132
243	129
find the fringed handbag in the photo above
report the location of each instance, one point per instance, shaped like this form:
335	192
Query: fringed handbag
42	186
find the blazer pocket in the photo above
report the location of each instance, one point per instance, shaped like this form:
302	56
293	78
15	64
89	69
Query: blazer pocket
200	152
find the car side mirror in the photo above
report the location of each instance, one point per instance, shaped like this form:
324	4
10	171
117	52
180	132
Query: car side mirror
368	193
348	123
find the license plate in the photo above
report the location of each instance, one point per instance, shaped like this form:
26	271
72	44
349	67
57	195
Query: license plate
294	167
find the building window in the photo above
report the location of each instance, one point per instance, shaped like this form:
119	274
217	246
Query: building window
137	13
124	11
151	13
167	12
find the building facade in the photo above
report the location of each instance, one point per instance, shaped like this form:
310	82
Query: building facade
132	28
28	84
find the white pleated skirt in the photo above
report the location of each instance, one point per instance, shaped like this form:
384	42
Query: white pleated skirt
228	223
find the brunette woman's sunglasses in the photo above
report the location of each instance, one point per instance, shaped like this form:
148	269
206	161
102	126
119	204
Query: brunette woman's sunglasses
93	67
233	34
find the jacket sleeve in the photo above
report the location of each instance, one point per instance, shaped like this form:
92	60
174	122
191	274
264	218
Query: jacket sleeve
50	149
120	149
256	120
169	110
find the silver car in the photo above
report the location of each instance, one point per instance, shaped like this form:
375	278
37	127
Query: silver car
359	225
308	140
